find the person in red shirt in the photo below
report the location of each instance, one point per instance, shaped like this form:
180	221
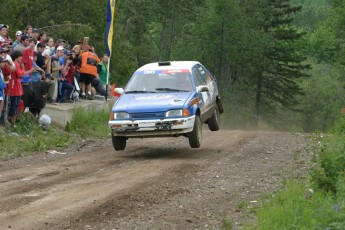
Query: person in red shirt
28	55
14	87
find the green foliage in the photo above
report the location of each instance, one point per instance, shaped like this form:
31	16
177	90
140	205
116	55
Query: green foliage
89	123
298	207
322	100
330	160
28	137
255	48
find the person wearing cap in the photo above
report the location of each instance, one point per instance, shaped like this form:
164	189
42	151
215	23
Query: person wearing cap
2	84
4	53
65	89
18	39
24	42
4	38
14	87
35	33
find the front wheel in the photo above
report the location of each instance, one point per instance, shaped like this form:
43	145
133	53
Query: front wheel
195	135
213	122
119	143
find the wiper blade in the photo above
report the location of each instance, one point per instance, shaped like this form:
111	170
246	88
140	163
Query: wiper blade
171	89
139	91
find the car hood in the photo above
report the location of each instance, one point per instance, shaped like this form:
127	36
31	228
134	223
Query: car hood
151	102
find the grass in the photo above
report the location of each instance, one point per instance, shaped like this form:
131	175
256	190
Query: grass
29	137
314	202
89	123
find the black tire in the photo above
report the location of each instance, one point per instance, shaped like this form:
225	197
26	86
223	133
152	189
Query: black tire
195	135
119	143
213	122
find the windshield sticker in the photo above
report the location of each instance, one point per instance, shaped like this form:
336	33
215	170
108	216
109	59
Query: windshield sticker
148	72
166	71
176	71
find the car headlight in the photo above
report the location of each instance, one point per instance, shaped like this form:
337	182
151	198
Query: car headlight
177	113
121	115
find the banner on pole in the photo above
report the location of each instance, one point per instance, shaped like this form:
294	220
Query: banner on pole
110	26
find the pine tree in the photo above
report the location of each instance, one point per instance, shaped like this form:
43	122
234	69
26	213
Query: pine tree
281	62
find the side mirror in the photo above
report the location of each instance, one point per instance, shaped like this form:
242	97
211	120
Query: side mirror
202	88
118	91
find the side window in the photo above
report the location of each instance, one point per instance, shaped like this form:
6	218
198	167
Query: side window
205	75
198	77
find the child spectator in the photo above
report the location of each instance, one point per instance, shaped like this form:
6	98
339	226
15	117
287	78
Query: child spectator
37	76
14	88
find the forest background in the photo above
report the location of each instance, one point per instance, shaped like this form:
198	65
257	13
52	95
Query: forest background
279	63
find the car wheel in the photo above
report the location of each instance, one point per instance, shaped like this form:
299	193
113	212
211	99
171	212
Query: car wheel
119	143
195	135
213	122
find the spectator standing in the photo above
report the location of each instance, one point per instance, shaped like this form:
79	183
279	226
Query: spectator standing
88	71
49	49
35	33
48	52
37	76
18	39
5	53
4	38
60	68
42	37
2	84
23	44
28	31
40	59
102	69
6	72
28	55
14	88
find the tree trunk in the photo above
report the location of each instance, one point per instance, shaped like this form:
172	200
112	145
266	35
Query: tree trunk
172	32
162	41
258	99
221	49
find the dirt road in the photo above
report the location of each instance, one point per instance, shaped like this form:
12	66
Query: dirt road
155	184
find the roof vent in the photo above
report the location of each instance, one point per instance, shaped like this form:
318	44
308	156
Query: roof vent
164	63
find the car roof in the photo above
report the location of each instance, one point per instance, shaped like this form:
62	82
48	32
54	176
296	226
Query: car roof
169	65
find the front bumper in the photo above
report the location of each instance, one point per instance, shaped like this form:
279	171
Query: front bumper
152	128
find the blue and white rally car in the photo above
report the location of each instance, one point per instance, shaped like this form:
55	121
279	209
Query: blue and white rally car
166	99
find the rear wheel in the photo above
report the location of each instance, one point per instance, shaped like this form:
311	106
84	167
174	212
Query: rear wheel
213	122
119	143
195	135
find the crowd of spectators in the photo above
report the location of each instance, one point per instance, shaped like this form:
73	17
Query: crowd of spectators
33	57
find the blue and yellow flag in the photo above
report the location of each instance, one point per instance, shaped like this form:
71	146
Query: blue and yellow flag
110	26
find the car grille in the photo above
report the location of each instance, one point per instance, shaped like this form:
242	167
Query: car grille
147	115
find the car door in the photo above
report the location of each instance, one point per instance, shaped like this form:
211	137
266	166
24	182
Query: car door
205	97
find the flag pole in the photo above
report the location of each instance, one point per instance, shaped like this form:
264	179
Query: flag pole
106	86
109	37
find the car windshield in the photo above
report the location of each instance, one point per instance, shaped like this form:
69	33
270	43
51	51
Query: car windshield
158	81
